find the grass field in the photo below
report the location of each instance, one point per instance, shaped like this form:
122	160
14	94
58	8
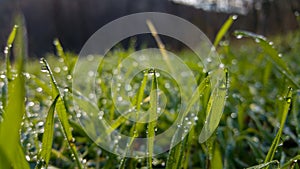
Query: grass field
259	127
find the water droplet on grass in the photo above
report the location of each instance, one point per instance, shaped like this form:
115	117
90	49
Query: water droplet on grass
221	66
6	50
39	89
44	69
234	17
57	69
257	40
239	36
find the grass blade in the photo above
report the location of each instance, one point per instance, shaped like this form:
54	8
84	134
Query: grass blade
265	165
176	152
9	44
12	155
225	27
134	133
47	136
216	162
152	116
270	51
215	106
276	141
62	113
291	162
60	52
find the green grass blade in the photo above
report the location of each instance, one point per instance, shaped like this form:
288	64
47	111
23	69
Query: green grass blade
10	148
265	165
225	27
9	44
270	51
176	152
62	113
61	54
152	116
276	140
216	162
215	106
291	162
134	133
47	136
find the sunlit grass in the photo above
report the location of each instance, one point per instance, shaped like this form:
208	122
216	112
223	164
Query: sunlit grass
259	126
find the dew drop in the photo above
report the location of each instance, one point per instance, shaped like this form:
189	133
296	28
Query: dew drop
39	89
65	68
221	66
91	73
271	43
239	36
233	115
90	58
119	98
257	40
57	69
44	69
208	59
6	50
234	17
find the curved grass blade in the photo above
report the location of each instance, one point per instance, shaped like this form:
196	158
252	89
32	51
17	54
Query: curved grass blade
276	140
265	165
12	155
62	113
47	137
215	106
291	162
270	51
225	27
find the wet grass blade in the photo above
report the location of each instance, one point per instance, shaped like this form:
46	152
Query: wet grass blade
152	116
225	27
265	165
62	113
47	137
7	50
11	152
270	51
215	106
276	140
61	54
8	47
134	133
291	162
176	152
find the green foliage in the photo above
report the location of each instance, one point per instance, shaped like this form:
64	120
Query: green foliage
47	137
11	152
259	127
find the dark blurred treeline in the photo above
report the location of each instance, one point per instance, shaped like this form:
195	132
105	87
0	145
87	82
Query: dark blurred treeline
74	21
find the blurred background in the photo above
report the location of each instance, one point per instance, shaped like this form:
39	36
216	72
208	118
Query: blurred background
74	21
